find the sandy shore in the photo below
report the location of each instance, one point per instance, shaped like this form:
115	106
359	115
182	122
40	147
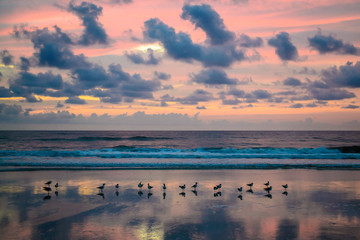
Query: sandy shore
318	205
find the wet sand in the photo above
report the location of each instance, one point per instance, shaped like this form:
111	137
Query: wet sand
319	204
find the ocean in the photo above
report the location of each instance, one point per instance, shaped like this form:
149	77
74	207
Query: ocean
179	149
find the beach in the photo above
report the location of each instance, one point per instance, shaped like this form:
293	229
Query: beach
319	204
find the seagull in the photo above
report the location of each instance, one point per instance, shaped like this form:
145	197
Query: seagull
250	184
101	187
140	185
182	187
268	189
195	185
267	184
149	187
164	186
48	183
57	185
285	186
240	189
117	186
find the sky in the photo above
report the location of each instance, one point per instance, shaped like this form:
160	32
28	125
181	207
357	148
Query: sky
180	65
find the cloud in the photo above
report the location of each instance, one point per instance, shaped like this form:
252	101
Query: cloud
24	64
284	48
180	46
350	106
329	44
204	17
162	76
261	94
53	48
345	76
213	76
5	92
201	107
9	111
89	14
328	94
197	96
290	81
59	105
297	105
75	100
138	58
6	57
248	42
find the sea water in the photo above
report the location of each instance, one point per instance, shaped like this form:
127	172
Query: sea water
179	149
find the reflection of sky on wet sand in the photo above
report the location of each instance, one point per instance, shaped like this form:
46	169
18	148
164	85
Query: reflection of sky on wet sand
319	205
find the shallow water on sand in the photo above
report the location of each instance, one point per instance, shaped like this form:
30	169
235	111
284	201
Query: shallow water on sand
318	205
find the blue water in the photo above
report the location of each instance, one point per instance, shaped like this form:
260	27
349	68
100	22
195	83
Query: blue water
178	149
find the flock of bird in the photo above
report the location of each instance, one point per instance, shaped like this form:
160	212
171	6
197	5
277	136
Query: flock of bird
217	189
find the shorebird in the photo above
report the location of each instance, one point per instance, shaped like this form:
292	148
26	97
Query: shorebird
149	187
182	187
140	185
117	186
250	184
164	186
285	186
267	184
195	185
215	188
101	187
268	189
48	183
240	189
219	186
57	185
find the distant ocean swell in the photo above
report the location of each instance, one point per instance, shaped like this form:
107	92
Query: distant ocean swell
136	157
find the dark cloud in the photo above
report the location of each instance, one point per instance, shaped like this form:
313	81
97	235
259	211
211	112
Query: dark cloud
139	88
204	17
328	44
248	42
213	76
5	93
94	31
345	76
328	94
6	57
59	105
162	76
75	100
201	107
180	46
350	106
230	101
53	48
24	64
297	105
236	93
261	94
139	59
197	96
290	81
284	48
306	70
10	110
